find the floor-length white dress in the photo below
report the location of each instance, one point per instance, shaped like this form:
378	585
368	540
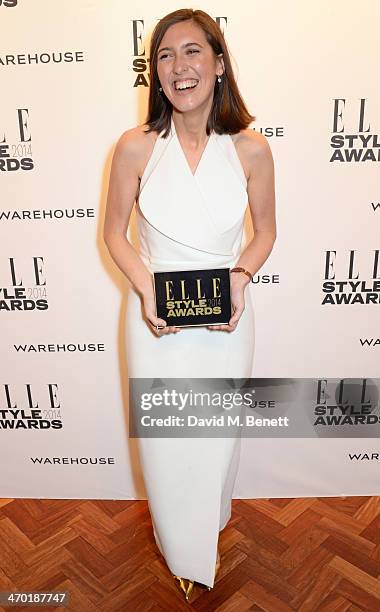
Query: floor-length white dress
190	221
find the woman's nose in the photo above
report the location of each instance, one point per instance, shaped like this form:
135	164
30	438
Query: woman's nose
179	65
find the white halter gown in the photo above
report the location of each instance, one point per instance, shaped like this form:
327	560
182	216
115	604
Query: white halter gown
188	221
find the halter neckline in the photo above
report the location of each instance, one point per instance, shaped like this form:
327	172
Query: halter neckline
203	154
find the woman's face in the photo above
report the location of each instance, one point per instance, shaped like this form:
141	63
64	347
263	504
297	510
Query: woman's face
187	66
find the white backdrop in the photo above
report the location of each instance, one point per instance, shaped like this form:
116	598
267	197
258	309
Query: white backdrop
74	76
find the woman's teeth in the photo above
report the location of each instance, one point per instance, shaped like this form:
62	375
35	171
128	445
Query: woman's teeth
190	84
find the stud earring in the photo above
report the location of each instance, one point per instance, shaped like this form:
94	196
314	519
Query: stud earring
160	89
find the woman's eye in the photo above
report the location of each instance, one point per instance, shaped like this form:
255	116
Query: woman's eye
190	51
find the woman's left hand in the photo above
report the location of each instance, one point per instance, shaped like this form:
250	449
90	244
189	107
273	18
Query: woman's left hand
238	283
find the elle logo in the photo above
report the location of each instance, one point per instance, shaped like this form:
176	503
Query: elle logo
34	268
358	145
372	268
178	291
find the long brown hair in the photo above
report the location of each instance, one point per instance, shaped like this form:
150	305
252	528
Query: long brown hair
229	113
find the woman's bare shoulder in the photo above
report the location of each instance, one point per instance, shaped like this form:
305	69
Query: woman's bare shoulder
135	146
250	142
136	141
253	150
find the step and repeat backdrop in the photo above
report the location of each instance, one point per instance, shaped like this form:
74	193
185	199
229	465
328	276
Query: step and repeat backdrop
74	76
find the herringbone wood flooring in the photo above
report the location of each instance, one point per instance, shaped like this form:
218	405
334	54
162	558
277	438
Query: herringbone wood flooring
277	555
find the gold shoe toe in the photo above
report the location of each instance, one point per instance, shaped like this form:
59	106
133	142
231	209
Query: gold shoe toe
188	588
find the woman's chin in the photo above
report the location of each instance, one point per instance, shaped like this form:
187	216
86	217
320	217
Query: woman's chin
182	105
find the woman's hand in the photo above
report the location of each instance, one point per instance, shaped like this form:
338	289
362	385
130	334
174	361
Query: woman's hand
149	305
238	283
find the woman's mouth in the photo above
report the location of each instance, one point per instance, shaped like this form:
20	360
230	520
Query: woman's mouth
185	85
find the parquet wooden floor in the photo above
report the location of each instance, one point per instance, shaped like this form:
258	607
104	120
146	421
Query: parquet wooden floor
278	555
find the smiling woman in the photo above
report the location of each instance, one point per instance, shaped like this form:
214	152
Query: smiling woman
193	48
192	169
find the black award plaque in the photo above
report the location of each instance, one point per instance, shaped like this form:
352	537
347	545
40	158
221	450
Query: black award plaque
193	297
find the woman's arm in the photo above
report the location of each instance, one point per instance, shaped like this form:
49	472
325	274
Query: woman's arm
256	157
122	192
261	194
129	156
